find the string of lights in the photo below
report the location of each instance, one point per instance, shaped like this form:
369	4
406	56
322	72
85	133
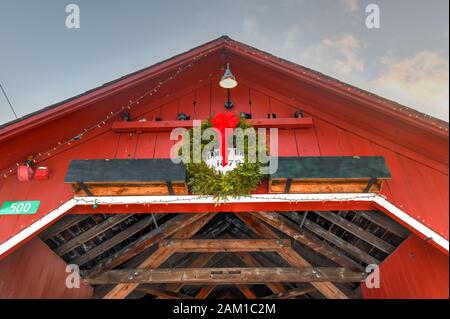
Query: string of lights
151	200
41	156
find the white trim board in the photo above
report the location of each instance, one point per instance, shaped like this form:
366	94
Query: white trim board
428	233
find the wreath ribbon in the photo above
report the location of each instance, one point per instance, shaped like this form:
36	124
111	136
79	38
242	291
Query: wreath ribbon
221	122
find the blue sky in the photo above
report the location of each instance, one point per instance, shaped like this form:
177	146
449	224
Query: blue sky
43	62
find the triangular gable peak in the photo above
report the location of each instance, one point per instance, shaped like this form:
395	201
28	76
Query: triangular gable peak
347	121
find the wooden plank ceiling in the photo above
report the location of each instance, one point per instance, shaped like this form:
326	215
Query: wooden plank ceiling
208	255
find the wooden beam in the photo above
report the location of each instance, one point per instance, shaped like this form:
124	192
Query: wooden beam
61	225
167	126
160	255
246	291
384	221
225	245
133	249
249	261
205	292
291	293
115	240
198	262
339	242
162	293
328	289
123	289
292	230
224	276
90	233
357	231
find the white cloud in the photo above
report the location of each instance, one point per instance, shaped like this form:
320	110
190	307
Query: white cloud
350	6
338	56
420	81
291	37
251	28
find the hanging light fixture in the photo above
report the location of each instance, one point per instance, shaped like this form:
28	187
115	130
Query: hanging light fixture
228	81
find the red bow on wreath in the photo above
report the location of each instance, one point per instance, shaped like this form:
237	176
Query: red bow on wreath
221	122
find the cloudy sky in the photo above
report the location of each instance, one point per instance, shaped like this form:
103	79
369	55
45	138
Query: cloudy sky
43	62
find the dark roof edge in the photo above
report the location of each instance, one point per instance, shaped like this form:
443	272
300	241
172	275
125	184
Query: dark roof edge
55	105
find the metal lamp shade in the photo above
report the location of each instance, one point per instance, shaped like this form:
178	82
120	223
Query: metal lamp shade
228	80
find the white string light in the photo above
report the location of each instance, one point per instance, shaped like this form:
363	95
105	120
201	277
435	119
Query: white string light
40	156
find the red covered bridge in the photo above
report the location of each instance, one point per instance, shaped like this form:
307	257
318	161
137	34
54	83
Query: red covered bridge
130	242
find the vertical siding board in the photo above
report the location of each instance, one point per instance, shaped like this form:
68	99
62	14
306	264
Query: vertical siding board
146	144
281	109
203	102
260	104
186	105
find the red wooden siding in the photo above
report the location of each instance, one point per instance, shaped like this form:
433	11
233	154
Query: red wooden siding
415	187
347	121
35	271
414	270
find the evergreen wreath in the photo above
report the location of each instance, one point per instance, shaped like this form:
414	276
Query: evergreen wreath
205	180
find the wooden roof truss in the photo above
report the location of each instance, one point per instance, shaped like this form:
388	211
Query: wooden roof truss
209	255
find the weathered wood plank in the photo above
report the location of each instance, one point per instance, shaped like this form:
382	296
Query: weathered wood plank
339	242
225	245
61	225
234	275
162	293
163	231
291	293
115	240
357	231
328	289
249	261
160	255
384	221
246	291
90	233
291	229
205	292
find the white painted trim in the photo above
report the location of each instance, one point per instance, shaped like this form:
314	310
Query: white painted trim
36	226
418	226
192	199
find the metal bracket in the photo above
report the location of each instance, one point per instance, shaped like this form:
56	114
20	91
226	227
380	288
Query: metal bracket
170	188
371	182
287	188
84	188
